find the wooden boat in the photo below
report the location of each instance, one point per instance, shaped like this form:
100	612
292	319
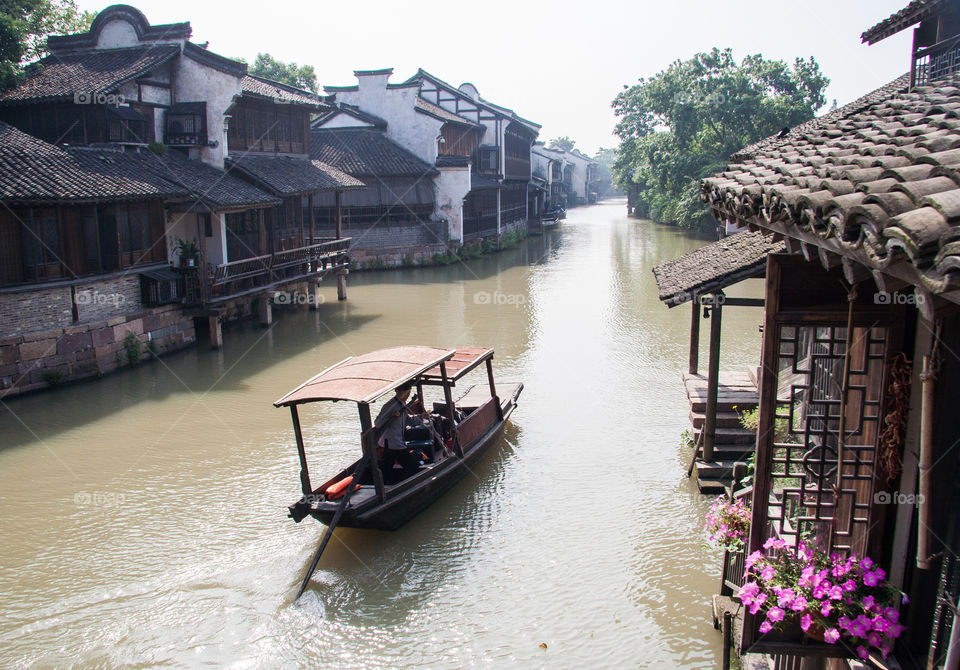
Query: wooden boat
470	426
551	218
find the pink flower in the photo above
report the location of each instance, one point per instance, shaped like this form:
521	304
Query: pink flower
766	627
874	639
906	600
752	559
873	577
805	622
831	636
785	597
799	604
835	593
849	585
767	573
891	614
868	603
880	624
862	652
825	608
775	614
866	563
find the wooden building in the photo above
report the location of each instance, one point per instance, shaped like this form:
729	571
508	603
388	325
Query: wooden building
859	373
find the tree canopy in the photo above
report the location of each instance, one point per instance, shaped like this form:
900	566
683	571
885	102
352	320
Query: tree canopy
562	143
298	76
24	26
683	124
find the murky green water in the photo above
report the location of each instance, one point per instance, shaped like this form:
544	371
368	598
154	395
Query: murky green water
143	516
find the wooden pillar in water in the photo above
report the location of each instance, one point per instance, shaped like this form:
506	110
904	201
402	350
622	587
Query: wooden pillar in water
265	309
713	378
216	332
694	335
342	284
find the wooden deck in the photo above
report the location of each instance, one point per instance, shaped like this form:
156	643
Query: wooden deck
737	392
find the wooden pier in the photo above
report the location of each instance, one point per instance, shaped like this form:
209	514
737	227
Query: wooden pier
736	393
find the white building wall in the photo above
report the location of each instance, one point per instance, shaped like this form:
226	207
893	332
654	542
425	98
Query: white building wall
117	33
195	82
452	186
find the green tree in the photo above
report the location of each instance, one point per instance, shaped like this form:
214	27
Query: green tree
24	27
298	76
683	124
562	143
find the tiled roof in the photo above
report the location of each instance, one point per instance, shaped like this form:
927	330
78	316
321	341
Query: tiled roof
32	170
715	266
278	92
98	71
283	175
349	110
364	152
218	189
879	185
430	109
913	13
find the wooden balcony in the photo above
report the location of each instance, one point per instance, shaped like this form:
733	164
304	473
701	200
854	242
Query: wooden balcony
249	275
935	62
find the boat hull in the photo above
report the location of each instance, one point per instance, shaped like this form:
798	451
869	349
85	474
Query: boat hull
413	495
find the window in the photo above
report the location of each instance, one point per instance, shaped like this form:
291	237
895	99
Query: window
40	243
488	159
187	124
126	125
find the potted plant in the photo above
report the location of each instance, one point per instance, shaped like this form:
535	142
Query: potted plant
728	522
834	598
188	250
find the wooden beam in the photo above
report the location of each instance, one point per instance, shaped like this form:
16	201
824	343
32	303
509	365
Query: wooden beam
743	302
694	337
451	416
713	379
339	215
370	449
301	452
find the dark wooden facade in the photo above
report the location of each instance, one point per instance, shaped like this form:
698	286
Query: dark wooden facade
270	128
75	124
39	244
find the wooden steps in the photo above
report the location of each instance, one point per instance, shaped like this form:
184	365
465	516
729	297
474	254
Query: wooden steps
736	393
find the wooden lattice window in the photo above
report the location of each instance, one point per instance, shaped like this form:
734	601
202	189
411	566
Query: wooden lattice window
822	393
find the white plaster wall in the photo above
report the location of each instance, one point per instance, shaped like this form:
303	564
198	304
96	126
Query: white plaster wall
217	244
155	94
452	186
415	132
179	226
117	33
194	82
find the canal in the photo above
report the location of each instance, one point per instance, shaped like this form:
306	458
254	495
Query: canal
144	514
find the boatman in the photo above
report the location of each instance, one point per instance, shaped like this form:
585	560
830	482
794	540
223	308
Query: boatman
397	462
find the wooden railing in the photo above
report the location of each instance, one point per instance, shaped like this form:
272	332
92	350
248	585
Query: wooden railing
935	62
478	423
263	271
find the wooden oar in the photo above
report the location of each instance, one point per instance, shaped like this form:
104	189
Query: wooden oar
333	524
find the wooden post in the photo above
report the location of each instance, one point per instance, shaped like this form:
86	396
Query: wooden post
493	388
339	215
727	633
313	220
266	310
713	378
448	398
262	237
370	449
216	332
304	472
341	284
765	419
694	336
313	294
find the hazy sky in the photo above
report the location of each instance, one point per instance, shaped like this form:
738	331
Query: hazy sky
557	63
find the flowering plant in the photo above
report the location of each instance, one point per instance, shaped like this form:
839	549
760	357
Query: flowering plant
728	522
846	597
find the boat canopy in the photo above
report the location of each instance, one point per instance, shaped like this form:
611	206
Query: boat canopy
463	361
365	378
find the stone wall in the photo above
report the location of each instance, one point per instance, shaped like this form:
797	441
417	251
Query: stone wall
46	358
